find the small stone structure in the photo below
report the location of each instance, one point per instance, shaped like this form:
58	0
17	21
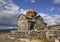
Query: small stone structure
31	24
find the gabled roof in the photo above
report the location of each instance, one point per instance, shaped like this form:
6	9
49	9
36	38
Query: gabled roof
20	15
38	17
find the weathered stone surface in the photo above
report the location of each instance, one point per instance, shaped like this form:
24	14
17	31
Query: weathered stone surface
30	22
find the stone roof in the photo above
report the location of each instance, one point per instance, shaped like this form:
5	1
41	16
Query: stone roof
20	15
31	11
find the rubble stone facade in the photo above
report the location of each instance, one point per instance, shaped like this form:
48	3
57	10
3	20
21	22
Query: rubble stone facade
30	21
31	24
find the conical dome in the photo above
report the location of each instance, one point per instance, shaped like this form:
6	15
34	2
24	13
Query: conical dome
31	12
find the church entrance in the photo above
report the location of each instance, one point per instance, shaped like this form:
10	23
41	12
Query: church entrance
31	25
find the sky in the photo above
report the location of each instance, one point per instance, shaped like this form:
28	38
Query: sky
11	9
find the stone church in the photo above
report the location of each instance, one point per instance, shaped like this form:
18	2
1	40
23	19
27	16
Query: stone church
31	24
30	21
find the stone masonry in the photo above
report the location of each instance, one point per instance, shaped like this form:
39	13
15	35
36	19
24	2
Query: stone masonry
32	25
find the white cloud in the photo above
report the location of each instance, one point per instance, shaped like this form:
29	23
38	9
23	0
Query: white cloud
2	2
12	27
50	20
58	9
9	9
56	1
23	11
8	12
43	15
52	8
33	1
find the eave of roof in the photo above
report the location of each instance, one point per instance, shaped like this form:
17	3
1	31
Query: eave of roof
20	15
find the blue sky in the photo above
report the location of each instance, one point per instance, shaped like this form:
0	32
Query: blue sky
11	9
45	6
